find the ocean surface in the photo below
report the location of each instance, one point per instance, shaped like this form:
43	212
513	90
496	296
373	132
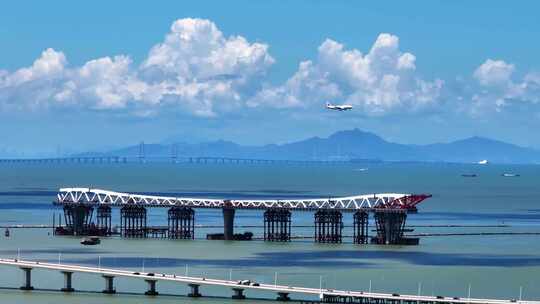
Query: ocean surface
494	266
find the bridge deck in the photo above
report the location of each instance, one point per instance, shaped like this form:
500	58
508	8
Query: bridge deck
349	203
262	287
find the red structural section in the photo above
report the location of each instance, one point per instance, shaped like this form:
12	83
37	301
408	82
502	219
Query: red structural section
408	202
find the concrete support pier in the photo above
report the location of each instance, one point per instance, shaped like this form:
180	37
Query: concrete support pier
78	218
27	279
133	221
277	225
104	220
194	291
283	296
151	288
328	226
67	281
361	227
238	294
228	223
181	223
109	284
390	227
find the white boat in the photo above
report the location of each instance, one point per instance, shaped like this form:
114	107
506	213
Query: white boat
483	162
509	175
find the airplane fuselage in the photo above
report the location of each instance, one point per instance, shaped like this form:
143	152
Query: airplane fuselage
344	107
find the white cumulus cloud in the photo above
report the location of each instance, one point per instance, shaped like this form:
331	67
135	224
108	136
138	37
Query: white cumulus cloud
379	82
196	68
494	72
33	86
499	88
50	64
104	83
196	49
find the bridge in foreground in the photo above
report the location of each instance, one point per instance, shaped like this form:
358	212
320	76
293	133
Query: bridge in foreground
389	209
195	283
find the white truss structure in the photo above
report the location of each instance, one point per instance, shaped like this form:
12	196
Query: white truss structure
98	197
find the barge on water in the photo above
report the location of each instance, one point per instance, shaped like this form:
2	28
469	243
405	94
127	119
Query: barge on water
91	240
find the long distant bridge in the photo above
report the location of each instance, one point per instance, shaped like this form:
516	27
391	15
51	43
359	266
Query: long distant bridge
238	287
143	157
148	159
390	212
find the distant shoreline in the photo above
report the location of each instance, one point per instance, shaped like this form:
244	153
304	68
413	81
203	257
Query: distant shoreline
218	160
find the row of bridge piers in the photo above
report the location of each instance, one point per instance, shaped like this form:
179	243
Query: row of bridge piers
195	285
109	286
277	225
63	160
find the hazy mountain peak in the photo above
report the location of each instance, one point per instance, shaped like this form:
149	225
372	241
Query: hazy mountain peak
356	135
478	140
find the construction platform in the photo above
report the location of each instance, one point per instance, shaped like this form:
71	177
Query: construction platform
389	211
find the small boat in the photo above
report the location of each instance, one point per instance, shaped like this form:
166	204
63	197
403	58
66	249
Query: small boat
6	233
361	169
469	175
509	175
483	162
92	240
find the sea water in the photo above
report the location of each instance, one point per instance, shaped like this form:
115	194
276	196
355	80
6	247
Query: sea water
494	266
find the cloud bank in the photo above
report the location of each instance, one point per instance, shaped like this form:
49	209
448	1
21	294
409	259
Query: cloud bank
500	90
197	70
382	81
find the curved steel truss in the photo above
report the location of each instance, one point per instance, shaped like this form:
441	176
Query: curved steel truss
349	203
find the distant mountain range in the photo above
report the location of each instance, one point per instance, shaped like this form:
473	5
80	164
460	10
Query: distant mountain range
348	145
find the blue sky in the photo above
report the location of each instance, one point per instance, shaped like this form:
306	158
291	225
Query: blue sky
105	74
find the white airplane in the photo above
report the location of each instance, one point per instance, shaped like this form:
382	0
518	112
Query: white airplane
343	107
